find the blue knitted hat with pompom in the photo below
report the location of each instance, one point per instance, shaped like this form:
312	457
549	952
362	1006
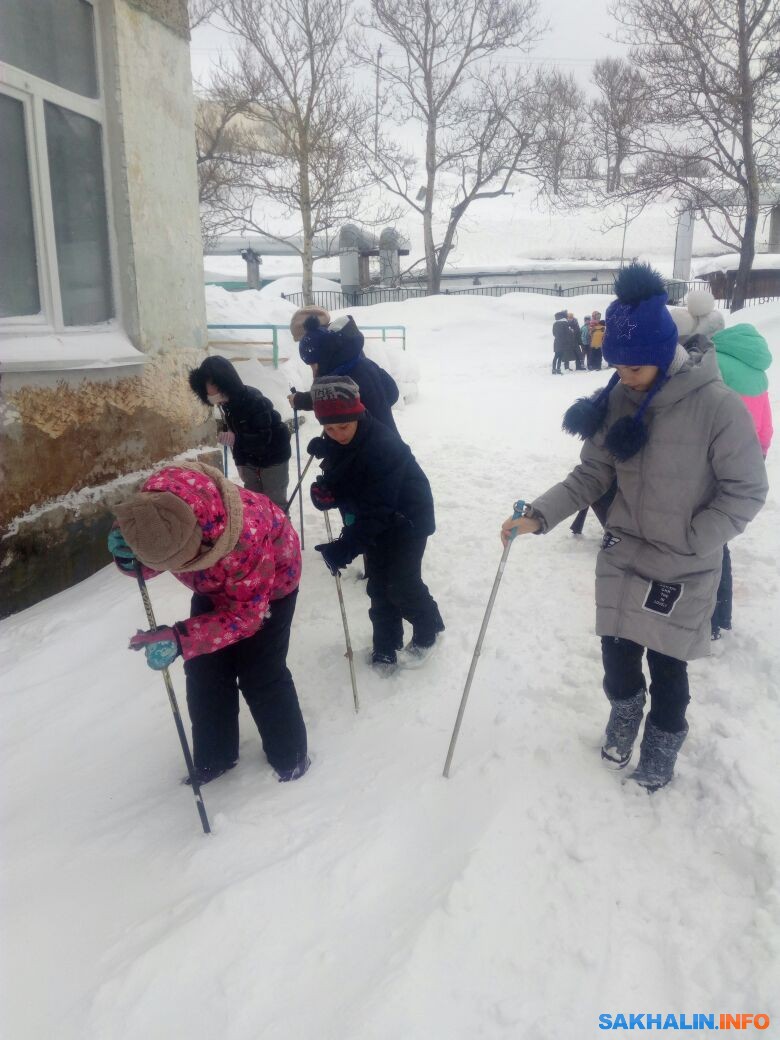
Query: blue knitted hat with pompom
640	329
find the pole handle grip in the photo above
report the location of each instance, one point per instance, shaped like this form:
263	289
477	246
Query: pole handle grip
517	512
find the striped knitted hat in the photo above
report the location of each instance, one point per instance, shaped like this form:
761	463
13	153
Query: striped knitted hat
336	399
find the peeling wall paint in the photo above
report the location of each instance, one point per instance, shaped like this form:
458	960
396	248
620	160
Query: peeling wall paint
59	439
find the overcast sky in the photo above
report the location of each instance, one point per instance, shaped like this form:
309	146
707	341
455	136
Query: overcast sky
577	38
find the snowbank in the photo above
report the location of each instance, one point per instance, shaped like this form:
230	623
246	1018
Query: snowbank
233	268
294	284
766	318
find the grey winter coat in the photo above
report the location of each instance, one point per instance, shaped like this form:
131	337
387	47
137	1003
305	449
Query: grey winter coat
698	481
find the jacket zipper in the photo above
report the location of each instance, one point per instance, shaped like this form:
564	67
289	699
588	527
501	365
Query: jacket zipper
632	561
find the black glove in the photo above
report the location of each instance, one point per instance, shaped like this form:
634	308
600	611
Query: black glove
321	495
317	447
336	555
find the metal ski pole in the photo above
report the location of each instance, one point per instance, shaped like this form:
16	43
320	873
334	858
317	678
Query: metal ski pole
350	655
298	457
223	420
291	499
174	706
517	513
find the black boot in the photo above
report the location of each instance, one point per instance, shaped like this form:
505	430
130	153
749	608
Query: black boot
625	718
296	771
657	756
205	774
382	663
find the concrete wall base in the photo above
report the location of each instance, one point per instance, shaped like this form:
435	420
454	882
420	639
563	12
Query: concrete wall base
63	544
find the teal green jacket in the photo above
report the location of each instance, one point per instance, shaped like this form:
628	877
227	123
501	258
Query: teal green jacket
743	358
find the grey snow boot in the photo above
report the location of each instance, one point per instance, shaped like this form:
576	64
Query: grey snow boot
657	755
625	718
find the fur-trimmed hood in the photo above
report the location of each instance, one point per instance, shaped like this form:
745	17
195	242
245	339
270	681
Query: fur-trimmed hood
222	373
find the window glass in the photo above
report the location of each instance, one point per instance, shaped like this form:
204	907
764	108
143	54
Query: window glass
80	223
53	39
18	266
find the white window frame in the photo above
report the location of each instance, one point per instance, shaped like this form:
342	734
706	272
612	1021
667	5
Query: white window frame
33	92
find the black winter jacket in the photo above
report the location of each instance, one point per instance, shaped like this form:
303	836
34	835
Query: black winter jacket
377	479
563	340
378	389
262	439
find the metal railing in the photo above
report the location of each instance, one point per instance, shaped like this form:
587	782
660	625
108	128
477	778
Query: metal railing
384	329
332	300
235	343
677	289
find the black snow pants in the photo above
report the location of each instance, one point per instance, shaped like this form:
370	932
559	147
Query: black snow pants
398	593
257	666
623	677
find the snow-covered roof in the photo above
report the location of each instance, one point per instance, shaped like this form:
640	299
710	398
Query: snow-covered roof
730	262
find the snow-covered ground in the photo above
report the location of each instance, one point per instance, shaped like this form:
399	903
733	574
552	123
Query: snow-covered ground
374	900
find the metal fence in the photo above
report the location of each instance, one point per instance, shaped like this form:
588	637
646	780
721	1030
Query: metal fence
236	344
257	349
331	300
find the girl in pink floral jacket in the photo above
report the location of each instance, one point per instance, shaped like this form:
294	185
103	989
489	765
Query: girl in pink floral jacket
240	555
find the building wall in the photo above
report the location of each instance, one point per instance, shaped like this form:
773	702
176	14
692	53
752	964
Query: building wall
761	283
154	86
69	430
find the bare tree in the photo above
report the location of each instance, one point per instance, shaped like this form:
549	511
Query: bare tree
440	71
229	154
561	113
201	11
713	72
620	114
291	72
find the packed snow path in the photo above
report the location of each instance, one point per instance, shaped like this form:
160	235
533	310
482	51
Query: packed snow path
374	900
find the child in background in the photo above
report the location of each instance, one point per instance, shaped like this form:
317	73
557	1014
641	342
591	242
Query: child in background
743	358
597	328
336	350
563	343
251	427
574	325
585	339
